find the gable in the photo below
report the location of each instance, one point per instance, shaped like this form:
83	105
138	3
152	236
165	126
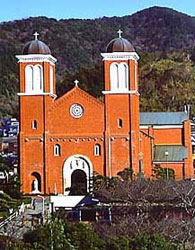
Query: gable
76	112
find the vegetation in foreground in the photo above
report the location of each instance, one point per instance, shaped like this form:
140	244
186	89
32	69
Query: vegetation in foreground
60	234
146	215
10	196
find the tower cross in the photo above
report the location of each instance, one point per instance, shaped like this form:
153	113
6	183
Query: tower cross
119	33
36	35
76	83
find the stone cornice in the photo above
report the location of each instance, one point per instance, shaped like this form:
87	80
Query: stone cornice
120	56
36	58
37	94
129	92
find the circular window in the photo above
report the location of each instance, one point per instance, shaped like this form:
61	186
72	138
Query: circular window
76	110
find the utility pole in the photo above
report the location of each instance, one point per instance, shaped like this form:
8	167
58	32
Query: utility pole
166	155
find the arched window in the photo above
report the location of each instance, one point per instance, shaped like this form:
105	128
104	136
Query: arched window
57	150
136	79
51	79
33	79
120	123
38	78
123	76
36	183
114	76
141	167
97	150
28	78
34	124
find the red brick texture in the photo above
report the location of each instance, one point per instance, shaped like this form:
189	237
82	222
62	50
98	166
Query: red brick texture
121	147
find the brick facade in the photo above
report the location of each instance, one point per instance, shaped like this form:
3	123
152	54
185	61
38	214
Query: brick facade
105	138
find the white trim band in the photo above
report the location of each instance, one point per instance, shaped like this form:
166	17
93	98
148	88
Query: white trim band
160	126
144	126
168	162
167	126
30	94
115	92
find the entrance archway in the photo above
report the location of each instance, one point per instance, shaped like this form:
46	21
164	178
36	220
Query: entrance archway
78	183
77	175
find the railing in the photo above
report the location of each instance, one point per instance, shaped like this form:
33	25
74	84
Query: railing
7	220
14	215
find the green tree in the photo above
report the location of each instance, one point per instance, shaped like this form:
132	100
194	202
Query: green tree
152	242
11	186
126	174
59	235
163	173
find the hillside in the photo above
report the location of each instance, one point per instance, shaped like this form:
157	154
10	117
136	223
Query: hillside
77	45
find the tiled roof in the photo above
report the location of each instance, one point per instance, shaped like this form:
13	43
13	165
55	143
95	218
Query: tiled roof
162	118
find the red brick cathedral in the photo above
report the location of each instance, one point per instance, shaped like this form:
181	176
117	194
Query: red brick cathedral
64	140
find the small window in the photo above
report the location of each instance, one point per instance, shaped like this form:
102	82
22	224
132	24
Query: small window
141	167
34	124
57	150
97	150
120	123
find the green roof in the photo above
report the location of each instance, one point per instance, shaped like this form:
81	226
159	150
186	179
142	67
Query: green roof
163	118
175	153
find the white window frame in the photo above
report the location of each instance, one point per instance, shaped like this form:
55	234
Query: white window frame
136	75
97	149
31	84
114	76
57	150
51	74
38	78
120	123
123	77
34	124
29	78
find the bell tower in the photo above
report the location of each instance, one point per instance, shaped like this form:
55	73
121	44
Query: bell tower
37	93
121	106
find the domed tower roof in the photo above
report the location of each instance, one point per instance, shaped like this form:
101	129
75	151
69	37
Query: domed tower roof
36	47
119	44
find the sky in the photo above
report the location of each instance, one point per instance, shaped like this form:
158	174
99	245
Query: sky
63	9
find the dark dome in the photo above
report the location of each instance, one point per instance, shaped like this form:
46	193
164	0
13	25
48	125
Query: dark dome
119	45
36	47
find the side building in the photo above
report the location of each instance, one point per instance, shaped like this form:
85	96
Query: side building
170	137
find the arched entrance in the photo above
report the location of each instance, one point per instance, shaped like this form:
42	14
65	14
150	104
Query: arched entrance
77	174
78	183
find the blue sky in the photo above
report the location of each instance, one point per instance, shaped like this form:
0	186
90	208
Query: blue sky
62	9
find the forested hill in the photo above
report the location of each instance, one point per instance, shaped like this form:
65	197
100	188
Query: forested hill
77	45
78	42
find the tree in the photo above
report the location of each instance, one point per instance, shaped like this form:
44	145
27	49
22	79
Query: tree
163	173
4	168
126	174
12	182
59	234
